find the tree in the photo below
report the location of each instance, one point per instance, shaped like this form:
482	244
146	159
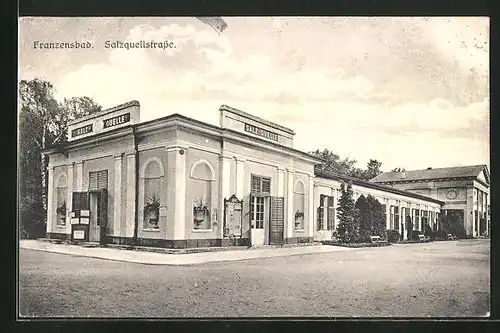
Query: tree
346	213
42	122
74	108
365	218
372	169
38	114
347	167
409	227
398	170
377	215
333	163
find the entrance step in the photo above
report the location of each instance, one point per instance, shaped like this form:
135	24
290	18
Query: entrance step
89	244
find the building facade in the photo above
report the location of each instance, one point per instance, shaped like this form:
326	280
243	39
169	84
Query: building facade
463	190
177	182
169	182
401	207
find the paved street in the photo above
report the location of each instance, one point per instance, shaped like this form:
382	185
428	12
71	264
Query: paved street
418	280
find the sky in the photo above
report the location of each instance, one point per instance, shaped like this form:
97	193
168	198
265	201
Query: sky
411	92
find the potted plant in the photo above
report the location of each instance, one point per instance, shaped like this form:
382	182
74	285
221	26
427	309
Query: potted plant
298	217
61	212
152	210
201	211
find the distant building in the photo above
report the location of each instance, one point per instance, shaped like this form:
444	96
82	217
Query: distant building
464	191
178	182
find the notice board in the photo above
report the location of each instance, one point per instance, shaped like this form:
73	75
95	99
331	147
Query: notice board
233	216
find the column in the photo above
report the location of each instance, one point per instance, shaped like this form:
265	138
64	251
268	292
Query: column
387	214
130	217
310	219
117	204
79	176
477	216
400	222
335	195
240	176
69	200
290	216
469	212
50	200
486	213
177	156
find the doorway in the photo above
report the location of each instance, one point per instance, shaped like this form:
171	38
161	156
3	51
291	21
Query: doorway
259	216
94	230
276	222
98	204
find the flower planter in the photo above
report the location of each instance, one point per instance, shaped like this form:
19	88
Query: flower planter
153	218
199	216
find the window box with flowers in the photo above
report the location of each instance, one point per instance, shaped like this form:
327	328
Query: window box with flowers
61	214
152	211
201	213
299	219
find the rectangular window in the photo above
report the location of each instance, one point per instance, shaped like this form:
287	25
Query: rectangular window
330	214
391	224
321	212
396	217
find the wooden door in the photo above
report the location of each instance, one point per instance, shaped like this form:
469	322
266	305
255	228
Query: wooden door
276	222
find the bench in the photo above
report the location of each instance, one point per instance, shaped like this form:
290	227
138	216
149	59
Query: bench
423	238
375	239
451	237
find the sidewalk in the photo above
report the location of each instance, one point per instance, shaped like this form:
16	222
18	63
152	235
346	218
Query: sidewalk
153	258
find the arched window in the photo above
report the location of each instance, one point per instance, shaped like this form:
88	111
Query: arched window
299	205
202	174
152	174
61	197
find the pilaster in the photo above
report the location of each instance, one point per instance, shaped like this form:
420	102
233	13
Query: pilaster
131	185
50	201
69	200
79	176
177	156
310	206
117	197
240	176
290	214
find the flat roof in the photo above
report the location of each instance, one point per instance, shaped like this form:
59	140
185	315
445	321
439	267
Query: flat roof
224	107
356	181
143	126
105	112
469	171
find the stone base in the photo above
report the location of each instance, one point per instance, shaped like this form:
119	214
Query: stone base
56	235
295	240
179	243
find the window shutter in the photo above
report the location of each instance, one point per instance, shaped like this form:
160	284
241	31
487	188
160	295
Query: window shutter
103	208
93	183
102	180
255	186
266	185
320	218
